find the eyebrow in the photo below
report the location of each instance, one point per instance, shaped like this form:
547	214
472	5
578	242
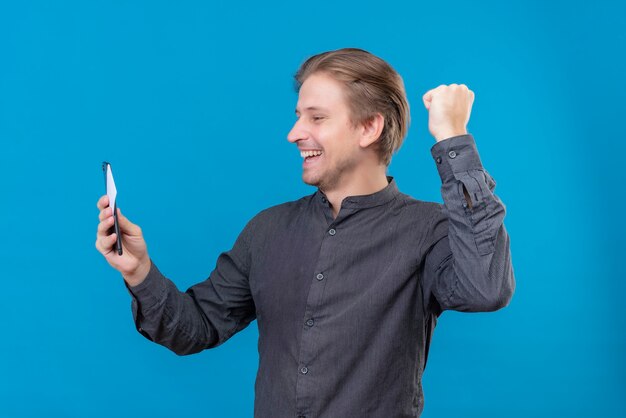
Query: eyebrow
313	109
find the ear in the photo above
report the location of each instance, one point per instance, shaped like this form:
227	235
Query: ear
372	128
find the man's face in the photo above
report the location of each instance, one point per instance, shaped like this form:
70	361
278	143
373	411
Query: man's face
324	134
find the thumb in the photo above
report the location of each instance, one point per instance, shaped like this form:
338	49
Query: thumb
126	225
427	98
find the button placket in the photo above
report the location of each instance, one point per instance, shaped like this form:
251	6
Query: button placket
310	335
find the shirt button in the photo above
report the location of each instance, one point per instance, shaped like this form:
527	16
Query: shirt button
438	159
332	232
140	329
304	370
309	322
452	154
324	200
319	276
465	203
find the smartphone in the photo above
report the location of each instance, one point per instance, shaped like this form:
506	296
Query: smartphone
111	191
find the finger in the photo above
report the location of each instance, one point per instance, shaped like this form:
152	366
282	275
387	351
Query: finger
126	225
428	96
103	202
105	244
105	213
104	226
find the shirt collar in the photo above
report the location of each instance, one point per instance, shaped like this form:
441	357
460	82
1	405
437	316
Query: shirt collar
365	201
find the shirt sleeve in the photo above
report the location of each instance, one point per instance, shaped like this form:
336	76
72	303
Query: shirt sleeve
204	316
467	266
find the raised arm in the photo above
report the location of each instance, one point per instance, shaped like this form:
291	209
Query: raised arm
468	265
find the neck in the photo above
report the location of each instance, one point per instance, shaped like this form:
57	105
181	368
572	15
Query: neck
361	183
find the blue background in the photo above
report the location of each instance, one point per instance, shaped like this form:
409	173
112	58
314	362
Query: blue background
191	103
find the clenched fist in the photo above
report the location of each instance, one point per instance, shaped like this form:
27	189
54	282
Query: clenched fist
449	109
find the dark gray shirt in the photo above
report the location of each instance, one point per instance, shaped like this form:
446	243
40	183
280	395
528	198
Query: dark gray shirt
346	307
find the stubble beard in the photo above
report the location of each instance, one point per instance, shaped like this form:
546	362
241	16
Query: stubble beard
329	179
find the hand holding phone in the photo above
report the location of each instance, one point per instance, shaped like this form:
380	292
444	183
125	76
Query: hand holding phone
114	228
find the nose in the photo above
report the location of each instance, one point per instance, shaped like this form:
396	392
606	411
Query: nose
297	132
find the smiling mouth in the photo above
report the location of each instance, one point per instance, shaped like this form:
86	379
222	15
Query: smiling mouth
310	156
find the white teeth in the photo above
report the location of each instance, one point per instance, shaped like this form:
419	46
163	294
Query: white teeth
305	154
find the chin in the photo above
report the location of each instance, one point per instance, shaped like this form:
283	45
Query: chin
311	181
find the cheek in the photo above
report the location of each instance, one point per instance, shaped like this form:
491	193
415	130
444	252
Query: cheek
336	139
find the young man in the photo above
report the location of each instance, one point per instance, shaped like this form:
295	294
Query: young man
346	284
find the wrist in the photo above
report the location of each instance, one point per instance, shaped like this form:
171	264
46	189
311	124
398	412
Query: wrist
138	275
440	136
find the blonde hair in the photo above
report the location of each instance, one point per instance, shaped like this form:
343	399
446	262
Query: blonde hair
372	86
